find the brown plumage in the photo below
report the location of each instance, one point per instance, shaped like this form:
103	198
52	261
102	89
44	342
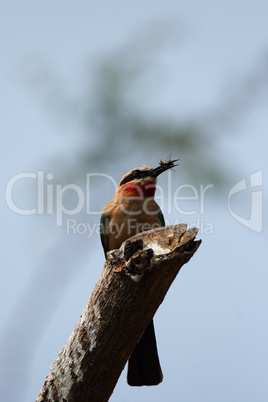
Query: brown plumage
133	210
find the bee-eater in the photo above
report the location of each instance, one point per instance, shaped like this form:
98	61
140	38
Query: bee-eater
133	210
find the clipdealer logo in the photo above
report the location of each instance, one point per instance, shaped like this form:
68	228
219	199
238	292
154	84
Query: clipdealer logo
49	199
50	196
254	222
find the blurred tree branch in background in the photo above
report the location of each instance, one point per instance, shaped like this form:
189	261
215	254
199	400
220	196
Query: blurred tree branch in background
111	120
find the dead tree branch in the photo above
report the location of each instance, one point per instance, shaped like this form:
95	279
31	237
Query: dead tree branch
132	285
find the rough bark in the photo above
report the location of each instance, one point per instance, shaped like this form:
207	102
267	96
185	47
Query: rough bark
132	285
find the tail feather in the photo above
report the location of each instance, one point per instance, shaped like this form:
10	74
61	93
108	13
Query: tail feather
143	365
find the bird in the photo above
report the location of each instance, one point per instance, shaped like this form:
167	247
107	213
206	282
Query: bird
133	210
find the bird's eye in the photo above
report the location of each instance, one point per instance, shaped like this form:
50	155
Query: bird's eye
136	174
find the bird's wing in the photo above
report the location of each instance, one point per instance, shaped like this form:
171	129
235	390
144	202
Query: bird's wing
161	217
104	222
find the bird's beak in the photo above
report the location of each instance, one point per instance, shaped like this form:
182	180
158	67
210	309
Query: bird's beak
163	166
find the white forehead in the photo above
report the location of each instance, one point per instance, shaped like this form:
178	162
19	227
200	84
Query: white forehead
143	169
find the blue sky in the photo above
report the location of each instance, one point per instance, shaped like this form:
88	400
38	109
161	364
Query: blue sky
212	327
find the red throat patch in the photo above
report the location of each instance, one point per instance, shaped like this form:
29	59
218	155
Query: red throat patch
144	189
